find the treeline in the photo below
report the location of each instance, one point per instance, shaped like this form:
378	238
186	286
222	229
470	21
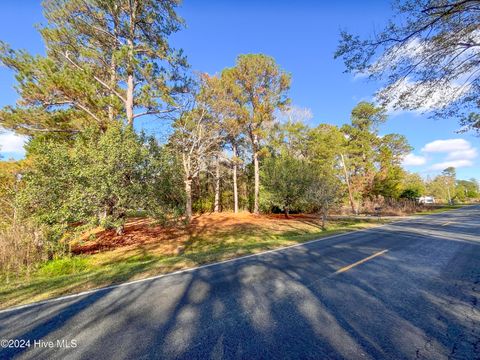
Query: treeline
444	188
107	65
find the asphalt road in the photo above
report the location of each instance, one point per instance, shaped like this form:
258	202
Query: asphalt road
408	290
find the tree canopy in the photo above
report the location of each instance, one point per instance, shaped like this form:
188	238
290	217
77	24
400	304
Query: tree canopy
427	56
106	60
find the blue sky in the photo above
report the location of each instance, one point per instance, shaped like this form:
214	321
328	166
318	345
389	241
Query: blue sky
302	36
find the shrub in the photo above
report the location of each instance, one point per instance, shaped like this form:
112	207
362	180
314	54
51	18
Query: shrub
97	178
285	181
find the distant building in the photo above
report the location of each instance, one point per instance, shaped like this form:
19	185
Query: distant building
426	200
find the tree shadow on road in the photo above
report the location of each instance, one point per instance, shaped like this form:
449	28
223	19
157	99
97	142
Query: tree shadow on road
418	300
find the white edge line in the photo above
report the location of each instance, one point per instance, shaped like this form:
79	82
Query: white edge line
66	297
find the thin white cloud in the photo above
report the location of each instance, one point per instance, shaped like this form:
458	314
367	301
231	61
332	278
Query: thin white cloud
9	142
463	154
457	153
447	146
414	160
454	163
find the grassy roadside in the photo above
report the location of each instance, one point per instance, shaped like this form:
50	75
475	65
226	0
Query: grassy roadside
87	271
210	239
440	209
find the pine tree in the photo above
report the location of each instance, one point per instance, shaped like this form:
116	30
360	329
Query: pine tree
259	87
106	60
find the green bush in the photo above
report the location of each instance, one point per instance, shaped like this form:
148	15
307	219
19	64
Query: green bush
285	182
97	178
410	193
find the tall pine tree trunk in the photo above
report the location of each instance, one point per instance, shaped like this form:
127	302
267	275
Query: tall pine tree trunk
257	180
113	79
113	67
129	102
235	187
217	185
188	202
130	68
347	180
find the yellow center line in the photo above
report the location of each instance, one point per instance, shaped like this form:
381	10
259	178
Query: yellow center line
346	268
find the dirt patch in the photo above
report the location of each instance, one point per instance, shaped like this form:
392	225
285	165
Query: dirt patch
140	232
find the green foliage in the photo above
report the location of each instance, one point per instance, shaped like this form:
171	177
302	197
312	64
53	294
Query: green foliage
105	61
259	86
466	190
411	194
365	116
325	144
373	163
413	186
162	196
301	172
203	204
390	152
387	182
53	96
256	87
449	172
323	193
361	142
443	185
95	178
286	180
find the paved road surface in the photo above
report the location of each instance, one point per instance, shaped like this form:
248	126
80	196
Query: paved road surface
412	293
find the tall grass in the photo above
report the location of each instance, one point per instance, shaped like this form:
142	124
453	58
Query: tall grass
22	247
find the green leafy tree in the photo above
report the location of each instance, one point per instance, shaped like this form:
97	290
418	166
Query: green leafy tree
371	163
324	193
466	190
52	97
162	195
411	194
304	162
289	138
443	185
413	186
391	151
325	145
286	180
94	177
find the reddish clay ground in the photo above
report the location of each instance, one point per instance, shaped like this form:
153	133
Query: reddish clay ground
141	231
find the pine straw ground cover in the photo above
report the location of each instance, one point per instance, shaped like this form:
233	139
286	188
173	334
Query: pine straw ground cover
102	258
